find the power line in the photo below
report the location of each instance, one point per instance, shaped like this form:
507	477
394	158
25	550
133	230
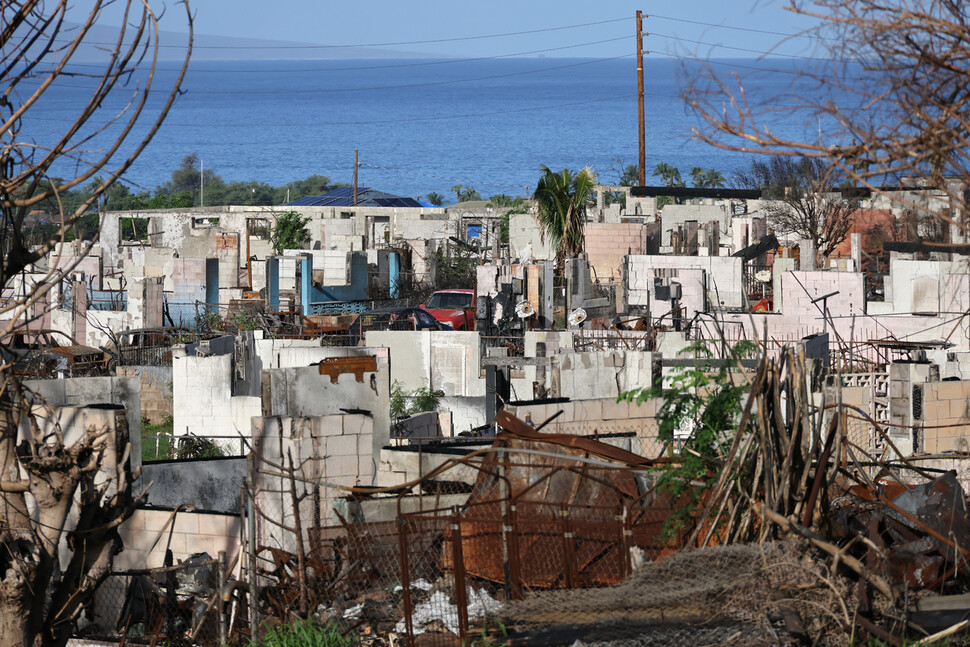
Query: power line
423	63
388	44
735	28
385	87
556	106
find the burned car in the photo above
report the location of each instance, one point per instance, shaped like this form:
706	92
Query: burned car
44	353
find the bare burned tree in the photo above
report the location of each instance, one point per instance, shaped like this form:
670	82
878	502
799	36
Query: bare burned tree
47	476
804	200
893	98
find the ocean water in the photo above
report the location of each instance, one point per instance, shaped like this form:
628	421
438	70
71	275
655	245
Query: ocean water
422	125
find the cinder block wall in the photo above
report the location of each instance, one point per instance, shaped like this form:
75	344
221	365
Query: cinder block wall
598	417
156	390
608	243
946	416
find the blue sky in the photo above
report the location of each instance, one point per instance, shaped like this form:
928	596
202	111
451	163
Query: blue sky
726	29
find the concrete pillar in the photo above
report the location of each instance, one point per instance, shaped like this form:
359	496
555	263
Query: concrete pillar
145	301
855	240
807	254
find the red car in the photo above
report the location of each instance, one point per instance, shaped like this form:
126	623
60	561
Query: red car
453	307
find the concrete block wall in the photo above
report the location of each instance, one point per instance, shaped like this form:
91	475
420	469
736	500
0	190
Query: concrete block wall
331	449
187	280
525	239
799	288
201	391
399	465
607	244
445	360
303	392
946	416
156	390
86	391
603	374
723	275
598	417
193	532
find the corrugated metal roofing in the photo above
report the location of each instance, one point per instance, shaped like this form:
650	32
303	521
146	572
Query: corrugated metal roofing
344	197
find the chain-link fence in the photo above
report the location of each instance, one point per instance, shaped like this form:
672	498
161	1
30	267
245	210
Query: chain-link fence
442	563
179	604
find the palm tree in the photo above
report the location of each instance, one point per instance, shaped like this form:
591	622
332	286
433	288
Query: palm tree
697	177
669	174
457	189
435	198
467	194
562	199
714	179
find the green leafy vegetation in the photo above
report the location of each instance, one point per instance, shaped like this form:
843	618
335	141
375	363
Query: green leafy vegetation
407	403
702	404
465	193
289	232
306	633
562	199
157	442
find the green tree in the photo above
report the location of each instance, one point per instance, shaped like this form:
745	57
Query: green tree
467	194
630	175
435	198
706	179
457	189
503	201
289	232
670	176
700	408
562	199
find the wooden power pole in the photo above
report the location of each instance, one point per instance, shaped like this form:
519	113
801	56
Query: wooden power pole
355	177
643	138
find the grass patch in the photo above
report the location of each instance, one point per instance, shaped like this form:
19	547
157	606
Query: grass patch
306	633
154	448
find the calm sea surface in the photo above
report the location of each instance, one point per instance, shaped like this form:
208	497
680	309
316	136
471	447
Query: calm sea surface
424	126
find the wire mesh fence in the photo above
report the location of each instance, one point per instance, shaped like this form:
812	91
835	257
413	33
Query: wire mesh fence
443	565
180	604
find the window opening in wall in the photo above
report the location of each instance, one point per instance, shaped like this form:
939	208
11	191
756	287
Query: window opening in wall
205	223
133	231
259	228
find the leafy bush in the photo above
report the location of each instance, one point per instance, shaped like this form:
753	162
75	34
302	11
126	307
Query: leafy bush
404	403
706	403
290	232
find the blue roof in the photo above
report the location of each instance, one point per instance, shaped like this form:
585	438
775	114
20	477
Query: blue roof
344	197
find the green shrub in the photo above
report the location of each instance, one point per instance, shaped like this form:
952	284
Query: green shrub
306	633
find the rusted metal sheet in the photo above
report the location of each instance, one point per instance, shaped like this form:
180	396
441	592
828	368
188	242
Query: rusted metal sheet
337	366
541	517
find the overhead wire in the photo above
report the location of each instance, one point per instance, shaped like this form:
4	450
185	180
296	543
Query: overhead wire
454	39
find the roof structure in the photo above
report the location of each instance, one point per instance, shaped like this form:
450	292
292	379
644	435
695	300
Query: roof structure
344	197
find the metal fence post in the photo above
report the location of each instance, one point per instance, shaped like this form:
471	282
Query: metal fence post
220	585
458	561
402	536
515	570
568	550
624	543
251	545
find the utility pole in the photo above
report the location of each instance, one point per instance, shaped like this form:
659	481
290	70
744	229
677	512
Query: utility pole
355	177
202	183
643	138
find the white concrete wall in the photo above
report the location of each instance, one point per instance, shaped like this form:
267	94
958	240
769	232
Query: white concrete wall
724	282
